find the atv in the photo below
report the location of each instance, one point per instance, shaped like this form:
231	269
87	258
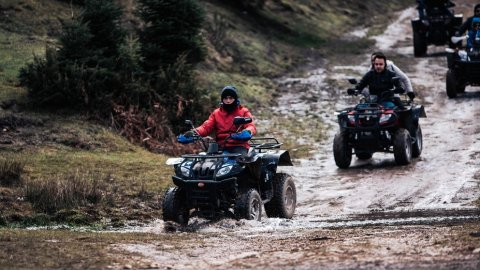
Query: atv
215	183
463	69
436	28
371	127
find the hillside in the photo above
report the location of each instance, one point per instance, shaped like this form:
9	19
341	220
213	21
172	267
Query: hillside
114	180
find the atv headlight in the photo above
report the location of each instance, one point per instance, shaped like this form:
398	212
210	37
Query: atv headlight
384	118
224	170
351	119
185	168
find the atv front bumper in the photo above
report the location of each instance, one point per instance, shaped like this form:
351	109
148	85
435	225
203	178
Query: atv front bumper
208	196
205	184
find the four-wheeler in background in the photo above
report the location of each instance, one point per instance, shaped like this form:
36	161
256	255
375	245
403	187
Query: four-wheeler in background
435	25
371	127
463	68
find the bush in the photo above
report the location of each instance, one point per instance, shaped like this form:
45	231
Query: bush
11	169
53	195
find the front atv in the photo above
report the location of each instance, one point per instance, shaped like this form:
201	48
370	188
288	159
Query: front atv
213	184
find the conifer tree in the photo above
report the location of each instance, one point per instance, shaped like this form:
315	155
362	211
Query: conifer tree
171	29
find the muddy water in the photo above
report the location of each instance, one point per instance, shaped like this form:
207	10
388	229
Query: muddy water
440	187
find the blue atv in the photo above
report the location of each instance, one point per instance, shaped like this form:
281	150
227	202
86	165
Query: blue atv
463	68
215	183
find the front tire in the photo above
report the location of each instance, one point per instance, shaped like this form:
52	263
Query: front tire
249	205
284	198
451	84
402	147
417	146
174	207
342	151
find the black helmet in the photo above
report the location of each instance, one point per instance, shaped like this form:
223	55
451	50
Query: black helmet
232	92
229	91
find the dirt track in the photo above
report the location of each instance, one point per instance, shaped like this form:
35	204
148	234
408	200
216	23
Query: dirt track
376	214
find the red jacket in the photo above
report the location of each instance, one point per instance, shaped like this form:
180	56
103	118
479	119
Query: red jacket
221	122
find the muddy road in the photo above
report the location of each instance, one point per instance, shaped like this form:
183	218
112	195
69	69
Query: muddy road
375	214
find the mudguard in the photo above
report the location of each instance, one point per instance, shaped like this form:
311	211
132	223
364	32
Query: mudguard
279	157
418	111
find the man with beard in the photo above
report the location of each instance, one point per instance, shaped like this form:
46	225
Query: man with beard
381	83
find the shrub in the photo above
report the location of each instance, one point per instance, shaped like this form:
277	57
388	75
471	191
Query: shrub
71	192
11	169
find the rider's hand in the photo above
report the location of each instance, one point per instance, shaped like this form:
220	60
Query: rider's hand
245	135
184	139
352	91
411	95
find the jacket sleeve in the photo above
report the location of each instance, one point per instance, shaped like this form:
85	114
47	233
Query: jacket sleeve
250	126
464	27
405	81
364	81
208	126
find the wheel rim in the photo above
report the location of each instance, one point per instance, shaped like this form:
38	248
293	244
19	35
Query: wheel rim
289	199
255	209
419	140
408	148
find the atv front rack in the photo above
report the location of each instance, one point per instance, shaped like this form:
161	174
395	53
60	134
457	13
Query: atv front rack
265	143
212	156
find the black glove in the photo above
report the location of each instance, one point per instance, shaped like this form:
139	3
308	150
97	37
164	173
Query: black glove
399	91
352	91
411	95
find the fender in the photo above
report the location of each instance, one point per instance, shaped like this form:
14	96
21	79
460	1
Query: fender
419	112
279	157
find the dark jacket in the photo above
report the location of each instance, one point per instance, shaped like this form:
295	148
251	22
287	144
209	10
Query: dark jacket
467	25
378	82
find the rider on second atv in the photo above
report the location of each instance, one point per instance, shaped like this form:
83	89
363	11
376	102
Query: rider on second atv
380	80
220	123
473	41
468	24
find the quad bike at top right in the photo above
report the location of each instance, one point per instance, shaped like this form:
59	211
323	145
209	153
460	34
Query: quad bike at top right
435	25
464	65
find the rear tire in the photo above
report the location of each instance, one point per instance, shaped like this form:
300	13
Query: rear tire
417	146
174	208
419	44
249	205
402	147
451	84
342	151
284	198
